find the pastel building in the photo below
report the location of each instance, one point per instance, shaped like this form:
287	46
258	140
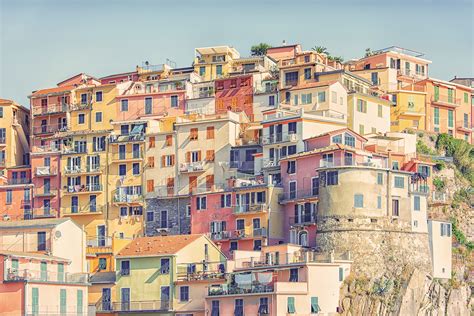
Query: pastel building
16	195
214	62
245	215
155	274
202	98
235	94
409	110
280	280
441	248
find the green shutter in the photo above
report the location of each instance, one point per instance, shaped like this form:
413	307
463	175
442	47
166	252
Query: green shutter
79	302
436	116
436	93
450	118
466	97
35	301
44	271
62	301
291	305
315	305
60	272
450	95
341	274
15	264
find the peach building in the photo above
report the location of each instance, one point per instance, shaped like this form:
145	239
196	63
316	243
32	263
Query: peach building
16	195
280	280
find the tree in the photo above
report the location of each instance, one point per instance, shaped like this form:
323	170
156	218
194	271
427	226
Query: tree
368	52
260	49
320	50
338	59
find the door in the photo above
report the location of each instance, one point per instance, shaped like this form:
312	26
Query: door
101	235
106	305
165	297
74	204
93	203
46	186
125	299
46	207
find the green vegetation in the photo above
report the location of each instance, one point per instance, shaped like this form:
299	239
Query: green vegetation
422	148
460	237
440	165
259	49
462	153
439	184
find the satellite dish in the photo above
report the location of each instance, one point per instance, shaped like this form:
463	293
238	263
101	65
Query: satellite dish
57	234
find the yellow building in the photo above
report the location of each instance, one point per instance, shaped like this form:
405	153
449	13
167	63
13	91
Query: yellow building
409	111
214	62
14	133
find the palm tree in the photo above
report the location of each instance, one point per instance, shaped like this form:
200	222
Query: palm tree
260	49
320	50
338	59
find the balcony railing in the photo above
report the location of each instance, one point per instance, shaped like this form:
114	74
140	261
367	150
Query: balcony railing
3	140
40	212
463	125
42	192
190	167
446	100
270	163
303	220
128	198
50	109
376	163
46	148
438	196
18	181
99	241
200	271
88	209
80	106
254	208
127	155
136	306
14	275
46	171
127	138
220	235
49	129
227	289
280	138
79	169
298	194
83	188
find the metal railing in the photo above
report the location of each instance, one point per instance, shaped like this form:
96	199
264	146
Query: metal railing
463	124
127	155
80	106
137	306
280	138
304	219
43	192
252	208
87	209
201	271
40	212
298	194
79	169
127	138
99	241
447	100
46	148
196	166
128	198
49	109
83	188
227	289
438	196
21	275
47	129
45	171
17	181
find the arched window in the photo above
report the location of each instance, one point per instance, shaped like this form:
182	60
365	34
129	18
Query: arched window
303	239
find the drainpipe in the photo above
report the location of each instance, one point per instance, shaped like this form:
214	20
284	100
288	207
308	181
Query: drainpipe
176	175
389	191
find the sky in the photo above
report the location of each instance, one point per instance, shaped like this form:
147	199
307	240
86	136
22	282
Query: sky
43	42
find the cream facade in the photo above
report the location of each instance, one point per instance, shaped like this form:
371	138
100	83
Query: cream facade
441	248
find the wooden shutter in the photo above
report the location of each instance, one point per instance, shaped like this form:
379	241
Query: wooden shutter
151	142
210	132
149	185
192	183
151	162
210	155
169	140
209	181
163	161
172	160
188	156
199	155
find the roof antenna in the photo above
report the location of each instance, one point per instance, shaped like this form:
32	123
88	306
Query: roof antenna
284	42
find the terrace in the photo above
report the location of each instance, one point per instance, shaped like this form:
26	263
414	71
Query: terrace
36	276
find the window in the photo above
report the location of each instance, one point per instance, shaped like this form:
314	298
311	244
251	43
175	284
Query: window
219	70
358	200
374	78
291	167
379	178
263	306
315	305
62	301
341	274
349	140
174	101
416	205
361	106
35	301
291	78
399	182
322	96
201	202
379	202
436	116
395	208
136	169
337	139
125	267
239	307
79	302
226	200
202	71
257	244
380	110
165	265
293	275
233	245
1	111
98	96
240	224
445	229
98	117
291	305
306	98
124	105
81	118
148	105
332	178
361	129
210	132
450	118
271	100
41	241
307	74
169	140
9	196
151	142
193	134
292	128
83	98
292	189
150	185
315	186
124	210
292	150
450	95
122	170
184	293
214	308
348	159
424	170
395	165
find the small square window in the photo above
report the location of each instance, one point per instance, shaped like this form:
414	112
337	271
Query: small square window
98	117
81	118
124	105
98	96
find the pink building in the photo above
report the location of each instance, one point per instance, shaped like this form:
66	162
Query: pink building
300	179
15	194
235	94
280	280
119	78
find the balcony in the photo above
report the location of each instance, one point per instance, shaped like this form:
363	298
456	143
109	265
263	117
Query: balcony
40	212
127	156
51	148
201	271
298	195
253	288
49	109
438	197
303	220
249	233
445	100
222	235
114	139
418	184
83	170
99	244
3	140
463	126
280	138
129	199
49	129
80	106
88	188
407	72
46	171
18	181
191	167
270	163
84	210
27	275
44	192
250	209
2	163
136	306
376	163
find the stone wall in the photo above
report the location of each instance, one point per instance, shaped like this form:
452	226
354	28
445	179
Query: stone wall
178	221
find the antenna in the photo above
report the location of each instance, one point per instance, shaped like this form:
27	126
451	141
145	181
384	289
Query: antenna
171	63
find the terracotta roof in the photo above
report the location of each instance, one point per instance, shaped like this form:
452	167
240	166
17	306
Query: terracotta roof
337	131
53	90
157	245
313	85
5	101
